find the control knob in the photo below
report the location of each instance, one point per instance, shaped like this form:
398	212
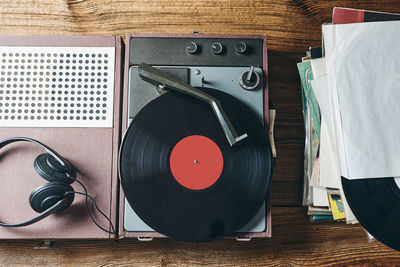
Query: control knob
249	79
216	48
191	47
240	47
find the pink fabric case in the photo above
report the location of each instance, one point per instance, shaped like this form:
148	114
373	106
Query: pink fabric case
93	151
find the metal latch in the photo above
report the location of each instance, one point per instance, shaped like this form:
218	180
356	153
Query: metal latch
145	239
46	244
243	239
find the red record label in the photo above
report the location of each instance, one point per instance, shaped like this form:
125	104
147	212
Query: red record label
196	162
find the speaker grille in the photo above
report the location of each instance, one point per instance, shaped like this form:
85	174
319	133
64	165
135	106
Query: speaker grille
56	86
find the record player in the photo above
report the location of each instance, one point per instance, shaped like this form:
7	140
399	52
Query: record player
210	113
233	69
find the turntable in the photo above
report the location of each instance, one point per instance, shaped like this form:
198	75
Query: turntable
195	160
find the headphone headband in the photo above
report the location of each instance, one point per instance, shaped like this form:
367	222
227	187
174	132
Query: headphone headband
59	205
53	153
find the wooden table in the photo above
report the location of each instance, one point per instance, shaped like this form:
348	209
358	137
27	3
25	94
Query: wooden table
291	26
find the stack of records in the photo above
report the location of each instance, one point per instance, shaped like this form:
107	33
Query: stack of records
321	194
351	94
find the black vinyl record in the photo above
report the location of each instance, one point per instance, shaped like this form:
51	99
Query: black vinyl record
180	212
376	205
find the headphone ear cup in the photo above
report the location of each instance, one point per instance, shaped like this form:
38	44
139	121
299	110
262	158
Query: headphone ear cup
51	170
49	194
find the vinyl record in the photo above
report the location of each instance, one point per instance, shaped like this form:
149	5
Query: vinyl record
181	176
376	205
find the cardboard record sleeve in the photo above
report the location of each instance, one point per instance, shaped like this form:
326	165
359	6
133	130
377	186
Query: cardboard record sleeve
45	67
148	235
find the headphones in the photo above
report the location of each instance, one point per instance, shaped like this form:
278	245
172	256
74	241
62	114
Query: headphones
58	194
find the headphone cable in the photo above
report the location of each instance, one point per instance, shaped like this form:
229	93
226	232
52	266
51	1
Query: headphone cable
87	196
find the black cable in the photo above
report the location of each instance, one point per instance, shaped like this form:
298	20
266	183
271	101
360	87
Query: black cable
98	209
87	205
102	213
87	196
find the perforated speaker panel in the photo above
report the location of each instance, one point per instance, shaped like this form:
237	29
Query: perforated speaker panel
56	86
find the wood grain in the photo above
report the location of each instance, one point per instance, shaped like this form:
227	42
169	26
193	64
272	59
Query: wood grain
291	26
295	242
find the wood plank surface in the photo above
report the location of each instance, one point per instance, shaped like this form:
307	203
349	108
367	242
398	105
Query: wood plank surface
291	26
296	242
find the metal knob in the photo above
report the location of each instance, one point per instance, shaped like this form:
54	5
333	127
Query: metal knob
249	79
240	47
216	48
191	47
